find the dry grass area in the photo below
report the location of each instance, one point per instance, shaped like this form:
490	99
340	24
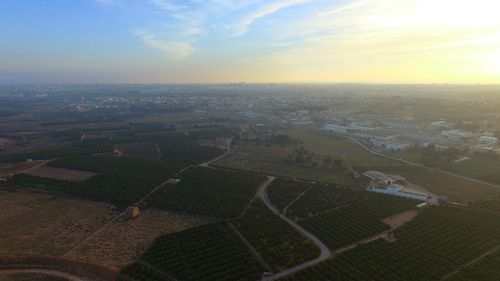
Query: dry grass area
42	224
122	242
61	174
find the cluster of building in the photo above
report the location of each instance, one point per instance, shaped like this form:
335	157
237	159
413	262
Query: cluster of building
387	135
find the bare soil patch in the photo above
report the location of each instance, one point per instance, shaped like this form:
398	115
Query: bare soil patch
61	174
42	224
124	241
400	219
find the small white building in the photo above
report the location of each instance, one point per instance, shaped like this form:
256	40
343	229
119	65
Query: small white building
456	134
488	140
336	128
382	177
399	190
438	125
173	180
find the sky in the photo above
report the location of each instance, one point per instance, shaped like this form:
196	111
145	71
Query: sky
256	41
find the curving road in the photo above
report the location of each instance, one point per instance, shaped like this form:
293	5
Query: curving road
325	251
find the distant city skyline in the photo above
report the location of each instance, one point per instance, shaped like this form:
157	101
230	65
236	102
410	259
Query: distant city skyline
256	41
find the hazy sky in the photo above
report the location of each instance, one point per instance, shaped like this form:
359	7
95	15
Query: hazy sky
402	41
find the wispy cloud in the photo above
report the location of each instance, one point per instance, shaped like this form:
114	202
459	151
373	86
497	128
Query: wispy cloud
174	49
166	5
241	27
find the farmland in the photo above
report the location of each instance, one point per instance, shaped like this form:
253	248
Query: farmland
283	192
212	252
60	174
280	245
283	197
485	269
138	149
156	170
321	198
273	160
123	241
34	224
217	192
85	147
436	243
120	179
343	226
182	148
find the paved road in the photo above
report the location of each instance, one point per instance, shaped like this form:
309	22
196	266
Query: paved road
325	252
50	272
421	166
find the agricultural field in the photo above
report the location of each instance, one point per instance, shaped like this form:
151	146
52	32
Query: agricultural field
122	242
7	169
343	226
33	223
182	148
274	159
280	245
84	147
283	192
144	168
210	133
321	198
210	253
485	269
217	192
436	243
138	149
60	174
491	205
121	180
480	168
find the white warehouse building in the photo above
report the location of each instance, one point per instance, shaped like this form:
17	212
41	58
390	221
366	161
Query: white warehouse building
399	190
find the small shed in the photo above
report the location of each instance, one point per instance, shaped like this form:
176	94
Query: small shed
132	212
174	181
